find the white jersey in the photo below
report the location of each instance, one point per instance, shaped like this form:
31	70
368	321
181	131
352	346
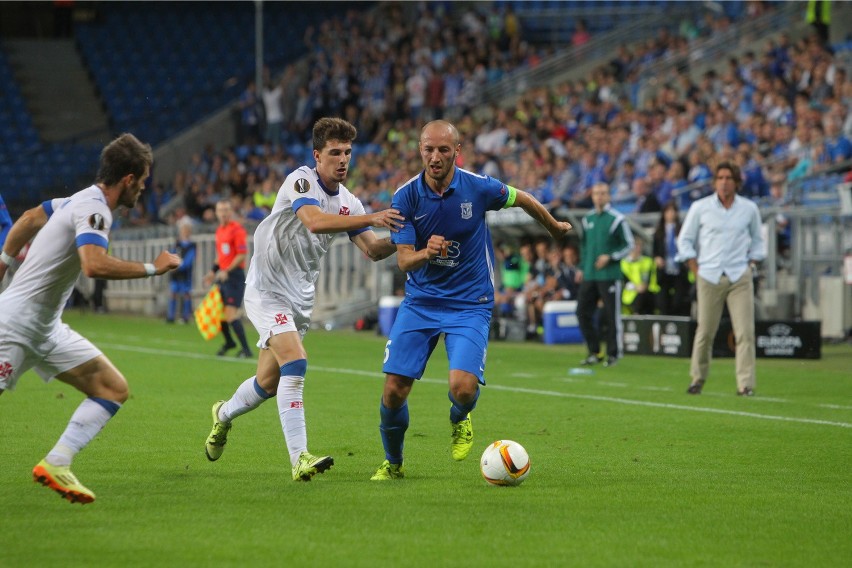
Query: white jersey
34	300
287	256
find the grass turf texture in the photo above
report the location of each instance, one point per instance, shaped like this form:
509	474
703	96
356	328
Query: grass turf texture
627	470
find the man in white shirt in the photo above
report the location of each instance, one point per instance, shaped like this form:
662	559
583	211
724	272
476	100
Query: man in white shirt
312	207
71	234
721	241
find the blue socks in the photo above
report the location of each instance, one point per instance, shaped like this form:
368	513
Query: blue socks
393	425
459	411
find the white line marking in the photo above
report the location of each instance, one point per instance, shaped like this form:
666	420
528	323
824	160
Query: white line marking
835	406
378	374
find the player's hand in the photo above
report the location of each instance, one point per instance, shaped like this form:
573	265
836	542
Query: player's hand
221	275
602	261
208	279
388	219
561	229
437	246
166	261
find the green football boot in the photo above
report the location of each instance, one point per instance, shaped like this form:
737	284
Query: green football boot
462	439
218	435
388	471
310	465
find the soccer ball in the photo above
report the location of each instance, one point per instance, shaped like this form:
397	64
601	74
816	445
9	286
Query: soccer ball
504	462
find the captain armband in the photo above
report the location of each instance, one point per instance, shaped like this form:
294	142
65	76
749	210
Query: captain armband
513	194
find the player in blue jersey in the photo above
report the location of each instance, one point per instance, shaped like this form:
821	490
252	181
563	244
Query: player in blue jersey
180	280
445	249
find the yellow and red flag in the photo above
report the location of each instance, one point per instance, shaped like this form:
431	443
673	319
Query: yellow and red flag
208	315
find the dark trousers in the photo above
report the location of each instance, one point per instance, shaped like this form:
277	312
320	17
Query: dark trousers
591	291
674	298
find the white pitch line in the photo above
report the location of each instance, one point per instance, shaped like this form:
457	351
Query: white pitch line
377	374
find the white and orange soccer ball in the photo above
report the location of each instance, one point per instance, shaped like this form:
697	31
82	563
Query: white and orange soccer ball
505	462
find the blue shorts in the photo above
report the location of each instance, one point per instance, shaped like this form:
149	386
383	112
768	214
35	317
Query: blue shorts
233	288
415	334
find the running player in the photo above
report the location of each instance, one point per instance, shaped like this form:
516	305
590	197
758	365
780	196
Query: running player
312	207
448	258
71	234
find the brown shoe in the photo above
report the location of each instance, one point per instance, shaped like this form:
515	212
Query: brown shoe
747	391
695	388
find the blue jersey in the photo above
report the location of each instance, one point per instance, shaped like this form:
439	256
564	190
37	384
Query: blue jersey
465	276
5	222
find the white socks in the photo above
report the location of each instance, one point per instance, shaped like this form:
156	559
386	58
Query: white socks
247	397
89	418
292	413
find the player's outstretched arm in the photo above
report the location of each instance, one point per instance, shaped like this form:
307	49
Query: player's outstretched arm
557	229
96	263
25	228
319	222
374	247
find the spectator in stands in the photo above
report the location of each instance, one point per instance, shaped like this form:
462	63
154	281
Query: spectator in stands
534	286
645	200
838	148
783	230
673	298
560	282
818	15
249	116
622	184
581	35
606	239
229	274
640	281
721	241
513	273
273	114
180	280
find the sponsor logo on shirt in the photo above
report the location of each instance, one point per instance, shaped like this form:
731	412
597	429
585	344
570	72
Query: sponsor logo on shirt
302	185
449	254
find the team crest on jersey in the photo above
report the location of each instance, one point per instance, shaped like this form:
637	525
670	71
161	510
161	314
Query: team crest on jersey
280	319
97	222
5	370
302	185
344	211
467	210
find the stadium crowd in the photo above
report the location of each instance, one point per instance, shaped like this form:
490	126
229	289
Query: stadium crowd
780	112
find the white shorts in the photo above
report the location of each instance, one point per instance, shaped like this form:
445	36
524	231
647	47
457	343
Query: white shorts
62	350
271	315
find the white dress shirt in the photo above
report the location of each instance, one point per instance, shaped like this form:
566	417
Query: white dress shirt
724	241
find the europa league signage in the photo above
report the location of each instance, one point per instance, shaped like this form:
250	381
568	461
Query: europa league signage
672	336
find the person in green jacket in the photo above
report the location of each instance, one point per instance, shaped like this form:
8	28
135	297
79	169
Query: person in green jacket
605	241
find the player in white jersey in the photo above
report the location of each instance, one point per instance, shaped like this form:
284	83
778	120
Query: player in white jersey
311	208
71	234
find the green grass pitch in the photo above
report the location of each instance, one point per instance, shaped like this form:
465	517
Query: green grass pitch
627	470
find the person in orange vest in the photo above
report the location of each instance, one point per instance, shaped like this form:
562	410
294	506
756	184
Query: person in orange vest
229	274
